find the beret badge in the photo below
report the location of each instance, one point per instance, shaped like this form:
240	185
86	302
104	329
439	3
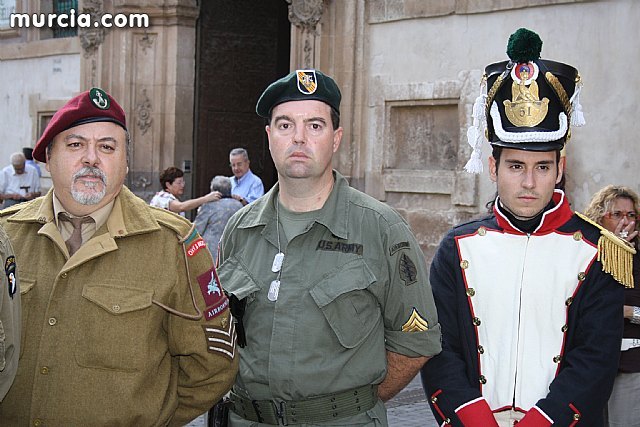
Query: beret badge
99	98
307	81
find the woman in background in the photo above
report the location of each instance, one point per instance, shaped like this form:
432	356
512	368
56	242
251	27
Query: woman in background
616	209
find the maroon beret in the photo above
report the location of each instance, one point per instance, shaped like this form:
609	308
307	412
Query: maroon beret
94	105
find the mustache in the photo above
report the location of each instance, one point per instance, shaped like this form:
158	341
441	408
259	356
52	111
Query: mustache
90	171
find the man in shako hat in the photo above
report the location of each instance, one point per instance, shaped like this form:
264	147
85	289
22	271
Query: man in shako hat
339	314
529	307
124	320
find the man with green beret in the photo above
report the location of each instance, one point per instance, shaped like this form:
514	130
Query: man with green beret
335	303
124	320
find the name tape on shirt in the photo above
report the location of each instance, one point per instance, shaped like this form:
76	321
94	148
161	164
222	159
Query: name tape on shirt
336	246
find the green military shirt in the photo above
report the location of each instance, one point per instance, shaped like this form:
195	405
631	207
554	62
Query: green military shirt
9	315
353	285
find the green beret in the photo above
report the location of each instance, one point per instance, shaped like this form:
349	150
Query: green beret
299	86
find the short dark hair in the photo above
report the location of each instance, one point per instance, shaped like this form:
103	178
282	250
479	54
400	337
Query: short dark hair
169	175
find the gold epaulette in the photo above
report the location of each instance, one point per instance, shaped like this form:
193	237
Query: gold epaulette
615	254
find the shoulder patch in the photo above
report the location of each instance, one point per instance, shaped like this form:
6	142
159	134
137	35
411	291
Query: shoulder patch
194	242
395	248
10	271
214	298
407	270
615	254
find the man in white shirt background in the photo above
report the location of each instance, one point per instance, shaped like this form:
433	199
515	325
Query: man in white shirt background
19	182
245	186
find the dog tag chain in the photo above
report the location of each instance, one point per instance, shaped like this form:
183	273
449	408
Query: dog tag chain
278	259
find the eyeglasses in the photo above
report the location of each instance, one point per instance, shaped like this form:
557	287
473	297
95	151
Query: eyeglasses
618	215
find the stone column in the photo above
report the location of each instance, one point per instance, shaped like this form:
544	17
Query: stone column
151	72
328	35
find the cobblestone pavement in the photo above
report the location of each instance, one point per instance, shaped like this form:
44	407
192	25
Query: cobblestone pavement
408	409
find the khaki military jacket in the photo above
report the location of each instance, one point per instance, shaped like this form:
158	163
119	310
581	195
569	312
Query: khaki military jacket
353	285
133	329
9	315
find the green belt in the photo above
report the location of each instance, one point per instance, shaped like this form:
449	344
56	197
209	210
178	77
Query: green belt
314	410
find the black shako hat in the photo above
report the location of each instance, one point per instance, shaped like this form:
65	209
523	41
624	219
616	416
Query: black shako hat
299	85
530	103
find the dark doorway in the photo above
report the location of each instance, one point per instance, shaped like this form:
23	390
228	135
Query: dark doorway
243	45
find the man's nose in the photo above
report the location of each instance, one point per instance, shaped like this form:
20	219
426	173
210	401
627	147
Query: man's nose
300	135
529	181
90	156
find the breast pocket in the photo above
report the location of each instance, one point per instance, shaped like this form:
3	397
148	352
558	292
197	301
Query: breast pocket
122	328
349	307
236	279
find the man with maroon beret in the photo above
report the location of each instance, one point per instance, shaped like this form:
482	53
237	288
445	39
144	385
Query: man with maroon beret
124	319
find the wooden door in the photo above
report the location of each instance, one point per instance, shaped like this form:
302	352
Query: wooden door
243	45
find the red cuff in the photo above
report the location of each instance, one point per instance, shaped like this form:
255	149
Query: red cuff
476	413
534	418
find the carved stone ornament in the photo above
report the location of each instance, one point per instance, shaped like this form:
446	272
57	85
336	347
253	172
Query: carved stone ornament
308	52
305	14
92	37
146	41
142	182
143	112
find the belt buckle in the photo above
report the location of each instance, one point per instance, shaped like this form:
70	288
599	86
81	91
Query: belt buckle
280	408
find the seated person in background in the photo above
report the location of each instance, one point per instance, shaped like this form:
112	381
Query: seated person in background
172	182
213	216
19	182
616	209
245	186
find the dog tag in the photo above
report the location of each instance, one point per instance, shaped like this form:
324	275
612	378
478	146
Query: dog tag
277	262
273	290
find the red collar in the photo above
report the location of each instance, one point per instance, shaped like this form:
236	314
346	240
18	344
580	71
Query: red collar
551	219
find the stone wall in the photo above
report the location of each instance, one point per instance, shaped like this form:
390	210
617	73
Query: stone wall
413	76
409	71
